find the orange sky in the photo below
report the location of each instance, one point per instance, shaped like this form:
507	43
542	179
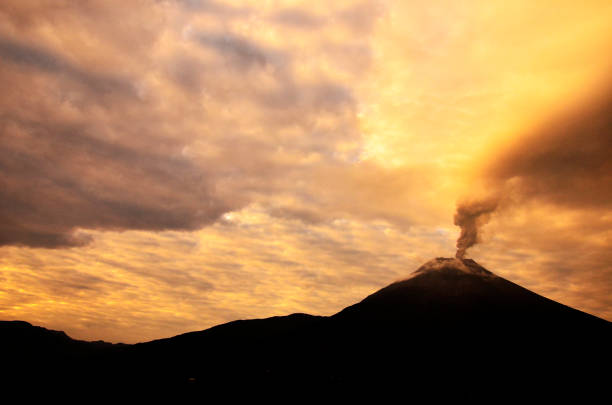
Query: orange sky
170	165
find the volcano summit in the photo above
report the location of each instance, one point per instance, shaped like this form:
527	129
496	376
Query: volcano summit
477	333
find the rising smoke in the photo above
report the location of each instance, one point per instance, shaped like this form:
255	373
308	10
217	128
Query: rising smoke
470	216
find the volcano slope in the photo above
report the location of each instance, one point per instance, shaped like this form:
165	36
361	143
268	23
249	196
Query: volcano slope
451	330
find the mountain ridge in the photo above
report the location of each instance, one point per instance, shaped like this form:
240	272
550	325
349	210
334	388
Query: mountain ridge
456	312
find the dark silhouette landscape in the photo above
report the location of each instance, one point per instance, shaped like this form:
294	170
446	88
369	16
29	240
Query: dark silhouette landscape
451	330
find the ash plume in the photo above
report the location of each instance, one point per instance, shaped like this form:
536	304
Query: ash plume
470	216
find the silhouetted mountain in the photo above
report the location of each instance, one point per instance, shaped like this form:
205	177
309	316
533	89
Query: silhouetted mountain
450	293
451	330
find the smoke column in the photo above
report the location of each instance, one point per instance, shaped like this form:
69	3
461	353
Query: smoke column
470	216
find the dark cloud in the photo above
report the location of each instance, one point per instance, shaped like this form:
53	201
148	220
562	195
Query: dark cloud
240	52
212	7
298	18
566	161
55	179
31	56
155	120
52	62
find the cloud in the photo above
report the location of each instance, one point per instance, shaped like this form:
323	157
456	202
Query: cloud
361	17
298	18
241	53
57	178
164	127
565	161
53	63
213	7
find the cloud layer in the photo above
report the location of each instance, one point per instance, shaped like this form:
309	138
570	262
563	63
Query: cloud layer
169	125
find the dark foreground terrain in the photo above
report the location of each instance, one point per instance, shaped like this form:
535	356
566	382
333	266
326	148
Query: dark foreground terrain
453	330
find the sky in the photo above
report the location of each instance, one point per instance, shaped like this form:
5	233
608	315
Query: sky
169	165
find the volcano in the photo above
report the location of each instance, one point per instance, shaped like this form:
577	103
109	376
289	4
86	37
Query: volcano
452	329
451	293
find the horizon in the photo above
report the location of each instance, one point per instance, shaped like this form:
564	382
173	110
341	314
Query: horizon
430	266
168	166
